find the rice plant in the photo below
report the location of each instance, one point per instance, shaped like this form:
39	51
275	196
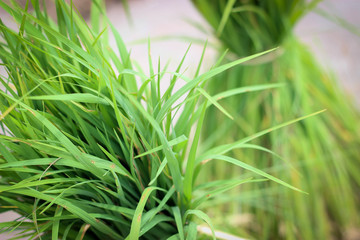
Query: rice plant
90	148
320	155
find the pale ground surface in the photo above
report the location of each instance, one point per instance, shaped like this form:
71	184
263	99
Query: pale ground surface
337	49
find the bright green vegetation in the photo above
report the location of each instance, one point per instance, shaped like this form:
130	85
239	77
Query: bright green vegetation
90	149
320	155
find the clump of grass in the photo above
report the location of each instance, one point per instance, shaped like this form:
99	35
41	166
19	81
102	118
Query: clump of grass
252	26
89	146
322	154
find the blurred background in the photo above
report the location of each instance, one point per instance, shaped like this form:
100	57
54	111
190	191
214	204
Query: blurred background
171	27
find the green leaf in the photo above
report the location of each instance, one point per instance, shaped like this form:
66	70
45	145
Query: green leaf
171	143
76	97
179	222
225	16
190	165
227	147
253	169
56	224
202	216
214	102
136	222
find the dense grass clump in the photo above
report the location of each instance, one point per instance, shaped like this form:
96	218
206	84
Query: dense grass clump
322	155
90	148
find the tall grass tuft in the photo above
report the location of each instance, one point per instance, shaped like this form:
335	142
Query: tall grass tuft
90	148
320	155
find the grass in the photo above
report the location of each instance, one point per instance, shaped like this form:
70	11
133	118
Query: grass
90	148
320	155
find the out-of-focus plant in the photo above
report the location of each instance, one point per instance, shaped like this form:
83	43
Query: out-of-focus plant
320	155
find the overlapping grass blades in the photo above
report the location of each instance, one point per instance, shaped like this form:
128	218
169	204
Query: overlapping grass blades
324	150
89	147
